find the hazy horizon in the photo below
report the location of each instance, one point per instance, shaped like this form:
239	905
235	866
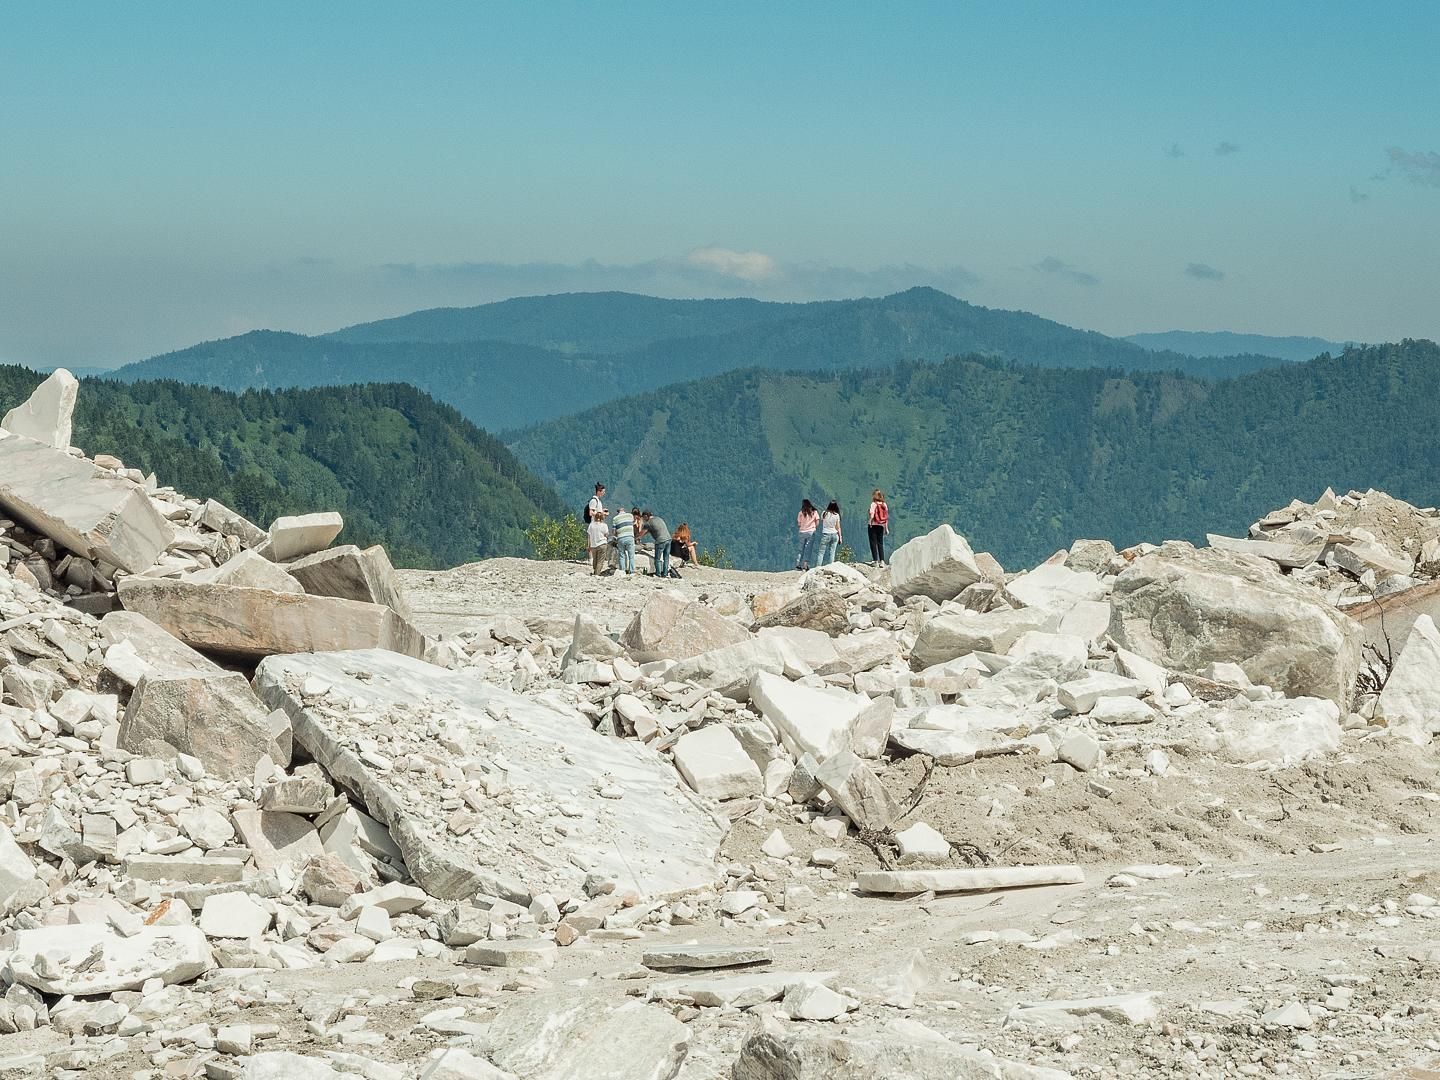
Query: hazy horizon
173	174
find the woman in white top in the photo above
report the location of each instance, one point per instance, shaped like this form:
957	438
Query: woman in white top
830	534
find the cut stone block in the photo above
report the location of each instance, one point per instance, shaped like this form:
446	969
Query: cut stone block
172	954
810	720
219	517
1409	705
17	873
301	534
638	825
1187	609
1121	710
1282	554
155	647
351	574
520	952
704	957
715	765
1012	877
250	570
921	844
815	647
938	565
74	503
1088	620
1050	587
1081	695
47	414
251	623
212	716
959	633
731	670
824	610
872	728
857	791
233	915
672	627
276	839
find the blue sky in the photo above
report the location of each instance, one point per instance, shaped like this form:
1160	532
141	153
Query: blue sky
176	172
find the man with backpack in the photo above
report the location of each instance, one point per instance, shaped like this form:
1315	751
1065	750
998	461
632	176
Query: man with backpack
595	508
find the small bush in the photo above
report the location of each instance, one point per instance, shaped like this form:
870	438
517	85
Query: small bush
846	554
717	557
556	538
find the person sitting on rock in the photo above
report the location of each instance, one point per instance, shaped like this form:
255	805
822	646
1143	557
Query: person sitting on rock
682	546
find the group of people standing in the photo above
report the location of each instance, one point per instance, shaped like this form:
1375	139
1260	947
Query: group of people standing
612	539
828	526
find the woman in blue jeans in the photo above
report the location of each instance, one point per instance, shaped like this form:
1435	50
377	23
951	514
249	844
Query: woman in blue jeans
808	521
830	534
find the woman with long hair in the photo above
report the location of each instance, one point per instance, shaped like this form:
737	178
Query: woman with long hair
682	546
831	536
879	526
808	521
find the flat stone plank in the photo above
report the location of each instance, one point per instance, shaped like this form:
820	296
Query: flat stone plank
75	503
629	818
1008	877
704	957
251	623
740	991
173	954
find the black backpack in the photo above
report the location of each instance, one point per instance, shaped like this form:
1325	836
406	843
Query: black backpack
587	513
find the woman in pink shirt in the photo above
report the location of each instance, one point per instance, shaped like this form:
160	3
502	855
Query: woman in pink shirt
808	521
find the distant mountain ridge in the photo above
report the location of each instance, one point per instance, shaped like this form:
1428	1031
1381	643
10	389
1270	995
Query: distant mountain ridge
1021	460
543	357
1210	343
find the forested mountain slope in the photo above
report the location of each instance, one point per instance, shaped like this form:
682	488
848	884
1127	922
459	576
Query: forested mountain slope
1021	459
405	470
539	375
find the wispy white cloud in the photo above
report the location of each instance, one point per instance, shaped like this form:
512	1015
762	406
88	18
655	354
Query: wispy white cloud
752	266
1056	268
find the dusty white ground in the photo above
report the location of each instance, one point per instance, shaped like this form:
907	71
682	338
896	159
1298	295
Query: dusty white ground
1298	881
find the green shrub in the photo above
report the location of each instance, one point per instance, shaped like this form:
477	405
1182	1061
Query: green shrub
717	557
556	538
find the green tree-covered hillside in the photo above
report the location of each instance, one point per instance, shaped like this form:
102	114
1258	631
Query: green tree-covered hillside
405	470
1020	459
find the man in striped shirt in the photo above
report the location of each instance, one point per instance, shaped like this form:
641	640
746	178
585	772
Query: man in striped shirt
623	522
